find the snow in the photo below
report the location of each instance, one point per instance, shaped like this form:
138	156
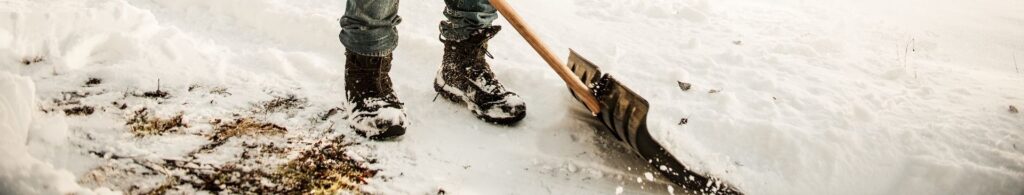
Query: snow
813	97
21	172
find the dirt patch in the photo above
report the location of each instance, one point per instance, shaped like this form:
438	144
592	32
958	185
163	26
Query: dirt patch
142	123
32	60
93	82
118	105
79	111
193	87
158	94
70	103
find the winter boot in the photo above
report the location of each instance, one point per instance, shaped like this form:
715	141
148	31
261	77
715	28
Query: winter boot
465	77
373	109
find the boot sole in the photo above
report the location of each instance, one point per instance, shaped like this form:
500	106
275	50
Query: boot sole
439	88
389	134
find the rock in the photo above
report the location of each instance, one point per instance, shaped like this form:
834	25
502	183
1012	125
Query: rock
684	86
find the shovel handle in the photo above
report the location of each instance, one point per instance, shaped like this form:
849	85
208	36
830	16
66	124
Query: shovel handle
563	71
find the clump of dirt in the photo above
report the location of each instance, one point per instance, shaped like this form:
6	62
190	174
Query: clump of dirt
141	123
194	87
279	104
93	82
684	86
684	121
119	106
32	60
79	111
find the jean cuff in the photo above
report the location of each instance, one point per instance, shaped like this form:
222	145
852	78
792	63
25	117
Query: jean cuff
381	53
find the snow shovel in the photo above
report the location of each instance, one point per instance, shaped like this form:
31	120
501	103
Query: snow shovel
618	108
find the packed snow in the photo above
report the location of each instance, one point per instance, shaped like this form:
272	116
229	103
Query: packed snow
787	96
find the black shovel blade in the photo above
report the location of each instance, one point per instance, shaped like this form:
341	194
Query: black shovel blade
624	113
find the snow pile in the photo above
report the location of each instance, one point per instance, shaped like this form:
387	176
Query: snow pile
842	99
20	172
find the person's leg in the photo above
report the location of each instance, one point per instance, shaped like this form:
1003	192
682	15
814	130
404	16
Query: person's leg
465	16
368	27
369	35
465	75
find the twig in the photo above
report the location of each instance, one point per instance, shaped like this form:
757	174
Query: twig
911	46
1015	63
906	52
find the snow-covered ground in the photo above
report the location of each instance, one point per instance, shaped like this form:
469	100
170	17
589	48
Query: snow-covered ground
812	97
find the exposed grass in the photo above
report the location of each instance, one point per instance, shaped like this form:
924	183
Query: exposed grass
142	123
326	169
244	126
279	104
321	169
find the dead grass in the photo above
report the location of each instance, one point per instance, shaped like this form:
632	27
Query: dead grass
244	126
220	91
280	104
142	123
239	127
326	169
158	94
321	169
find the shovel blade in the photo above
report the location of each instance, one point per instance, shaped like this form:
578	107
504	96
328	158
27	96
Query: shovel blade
624	113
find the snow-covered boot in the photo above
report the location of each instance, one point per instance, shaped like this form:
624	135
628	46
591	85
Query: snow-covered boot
466	77
373	109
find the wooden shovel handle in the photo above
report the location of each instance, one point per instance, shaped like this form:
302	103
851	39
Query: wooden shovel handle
563	71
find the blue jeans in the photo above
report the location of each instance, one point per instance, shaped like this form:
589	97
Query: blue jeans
368	27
